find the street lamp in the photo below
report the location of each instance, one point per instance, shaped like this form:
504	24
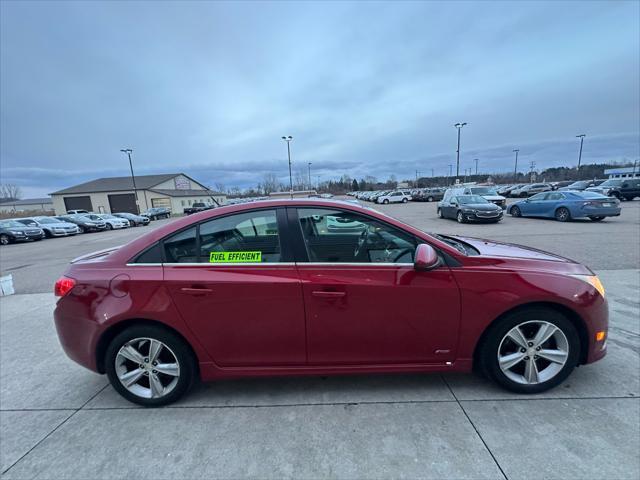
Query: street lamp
309	167
515	170
459	127
581	137
288	140
476	160
129	151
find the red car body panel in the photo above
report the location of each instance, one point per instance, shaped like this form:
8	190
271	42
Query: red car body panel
304	318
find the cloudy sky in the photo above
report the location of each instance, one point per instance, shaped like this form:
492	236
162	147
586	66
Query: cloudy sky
208	88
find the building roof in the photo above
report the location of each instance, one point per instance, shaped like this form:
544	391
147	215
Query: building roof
27	201
615	171
112	184
184	192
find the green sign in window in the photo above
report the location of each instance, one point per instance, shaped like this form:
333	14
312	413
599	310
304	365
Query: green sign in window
235	257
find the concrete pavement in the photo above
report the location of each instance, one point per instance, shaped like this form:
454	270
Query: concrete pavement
58	420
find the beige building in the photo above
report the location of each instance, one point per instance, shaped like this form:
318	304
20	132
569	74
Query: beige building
174	191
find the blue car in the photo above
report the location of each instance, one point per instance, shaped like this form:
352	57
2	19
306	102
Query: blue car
566	205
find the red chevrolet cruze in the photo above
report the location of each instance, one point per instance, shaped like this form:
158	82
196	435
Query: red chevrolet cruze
295	287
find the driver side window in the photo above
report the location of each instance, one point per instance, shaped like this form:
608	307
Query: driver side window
336	236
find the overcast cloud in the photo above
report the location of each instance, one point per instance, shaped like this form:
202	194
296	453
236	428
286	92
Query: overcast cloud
364	88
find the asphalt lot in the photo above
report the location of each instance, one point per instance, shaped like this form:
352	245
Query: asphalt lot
58	420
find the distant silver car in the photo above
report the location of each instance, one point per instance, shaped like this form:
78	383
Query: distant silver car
134	219
51	226
111	221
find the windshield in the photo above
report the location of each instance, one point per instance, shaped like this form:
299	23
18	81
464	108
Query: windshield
612	182
467	199
483	190
11	224
581	183
459	245
47	220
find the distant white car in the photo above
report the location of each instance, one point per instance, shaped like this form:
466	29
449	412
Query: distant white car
112	221
395	196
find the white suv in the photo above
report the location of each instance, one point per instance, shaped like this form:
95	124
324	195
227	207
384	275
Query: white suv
395	196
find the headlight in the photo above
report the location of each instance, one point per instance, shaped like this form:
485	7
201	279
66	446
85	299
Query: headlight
468	210
592	280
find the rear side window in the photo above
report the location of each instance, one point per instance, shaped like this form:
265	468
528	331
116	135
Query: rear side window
181	247
250	237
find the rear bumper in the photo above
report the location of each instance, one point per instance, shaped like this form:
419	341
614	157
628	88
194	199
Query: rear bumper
78	337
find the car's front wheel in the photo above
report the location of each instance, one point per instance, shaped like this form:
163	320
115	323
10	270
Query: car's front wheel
385	201
460	217
5	240
515	211
149	365
530	351
563	214
429	199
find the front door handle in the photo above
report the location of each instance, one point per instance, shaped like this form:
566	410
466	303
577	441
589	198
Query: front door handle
324	294
195	291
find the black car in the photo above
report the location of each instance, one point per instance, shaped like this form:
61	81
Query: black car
157	213
12	231
470	208
197	207
84	223
582	185
134	220
621	188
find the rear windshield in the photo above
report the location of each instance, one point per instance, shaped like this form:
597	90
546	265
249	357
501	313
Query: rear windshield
483	191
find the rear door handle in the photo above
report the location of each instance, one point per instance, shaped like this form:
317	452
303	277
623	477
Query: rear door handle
323	294
195	291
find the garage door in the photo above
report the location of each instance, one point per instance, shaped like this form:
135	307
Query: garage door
78	203
123	202
161	202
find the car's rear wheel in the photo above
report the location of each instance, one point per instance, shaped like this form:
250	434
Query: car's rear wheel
5	240
530	351
404	200
429	199
149	365
460	217
563	214
109	226
385	201
596	219
81	229
515	211
440	214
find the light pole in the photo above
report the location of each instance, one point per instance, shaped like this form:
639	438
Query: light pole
288	140
432	173
476	160
129	151
459	127
309	167
450	171
515	169
581	137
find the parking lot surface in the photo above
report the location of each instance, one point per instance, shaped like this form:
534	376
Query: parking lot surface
58	420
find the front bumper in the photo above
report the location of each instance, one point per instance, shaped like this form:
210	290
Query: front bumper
480	217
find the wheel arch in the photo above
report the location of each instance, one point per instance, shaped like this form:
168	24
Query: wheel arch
571	315
112	331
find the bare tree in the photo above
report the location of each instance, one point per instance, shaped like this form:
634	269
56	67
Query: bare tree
219	187
300	180
8	191
269	183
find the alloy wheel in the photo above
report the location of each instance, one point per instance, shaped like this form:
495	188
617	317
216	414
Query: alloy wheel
562	214
533	352
4	240
460	217
515	211
147	368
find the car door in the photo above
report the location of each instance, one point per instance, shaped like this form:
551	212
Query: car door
365	303
234	281
535	205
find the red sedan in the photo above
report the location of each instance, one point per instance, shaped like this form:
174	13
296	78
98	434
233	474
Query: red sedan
296	287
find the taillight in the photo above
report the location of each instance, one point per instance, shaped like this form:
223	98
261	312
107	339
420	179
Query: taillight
63	286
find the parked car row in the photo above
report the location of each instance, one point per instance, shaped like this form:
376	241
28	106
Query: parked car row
72	223
384	196
562	205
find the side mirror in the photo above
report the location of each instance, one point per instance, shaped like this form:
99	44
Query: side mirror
426	258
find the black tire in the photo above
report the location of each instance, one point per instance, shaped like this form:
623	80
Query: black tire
515	211
596	219
182	352
440	214
385	201
47	234
109	226
562	214
404	200
5	240
616	194
429	199
81	229
460	217
489	349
